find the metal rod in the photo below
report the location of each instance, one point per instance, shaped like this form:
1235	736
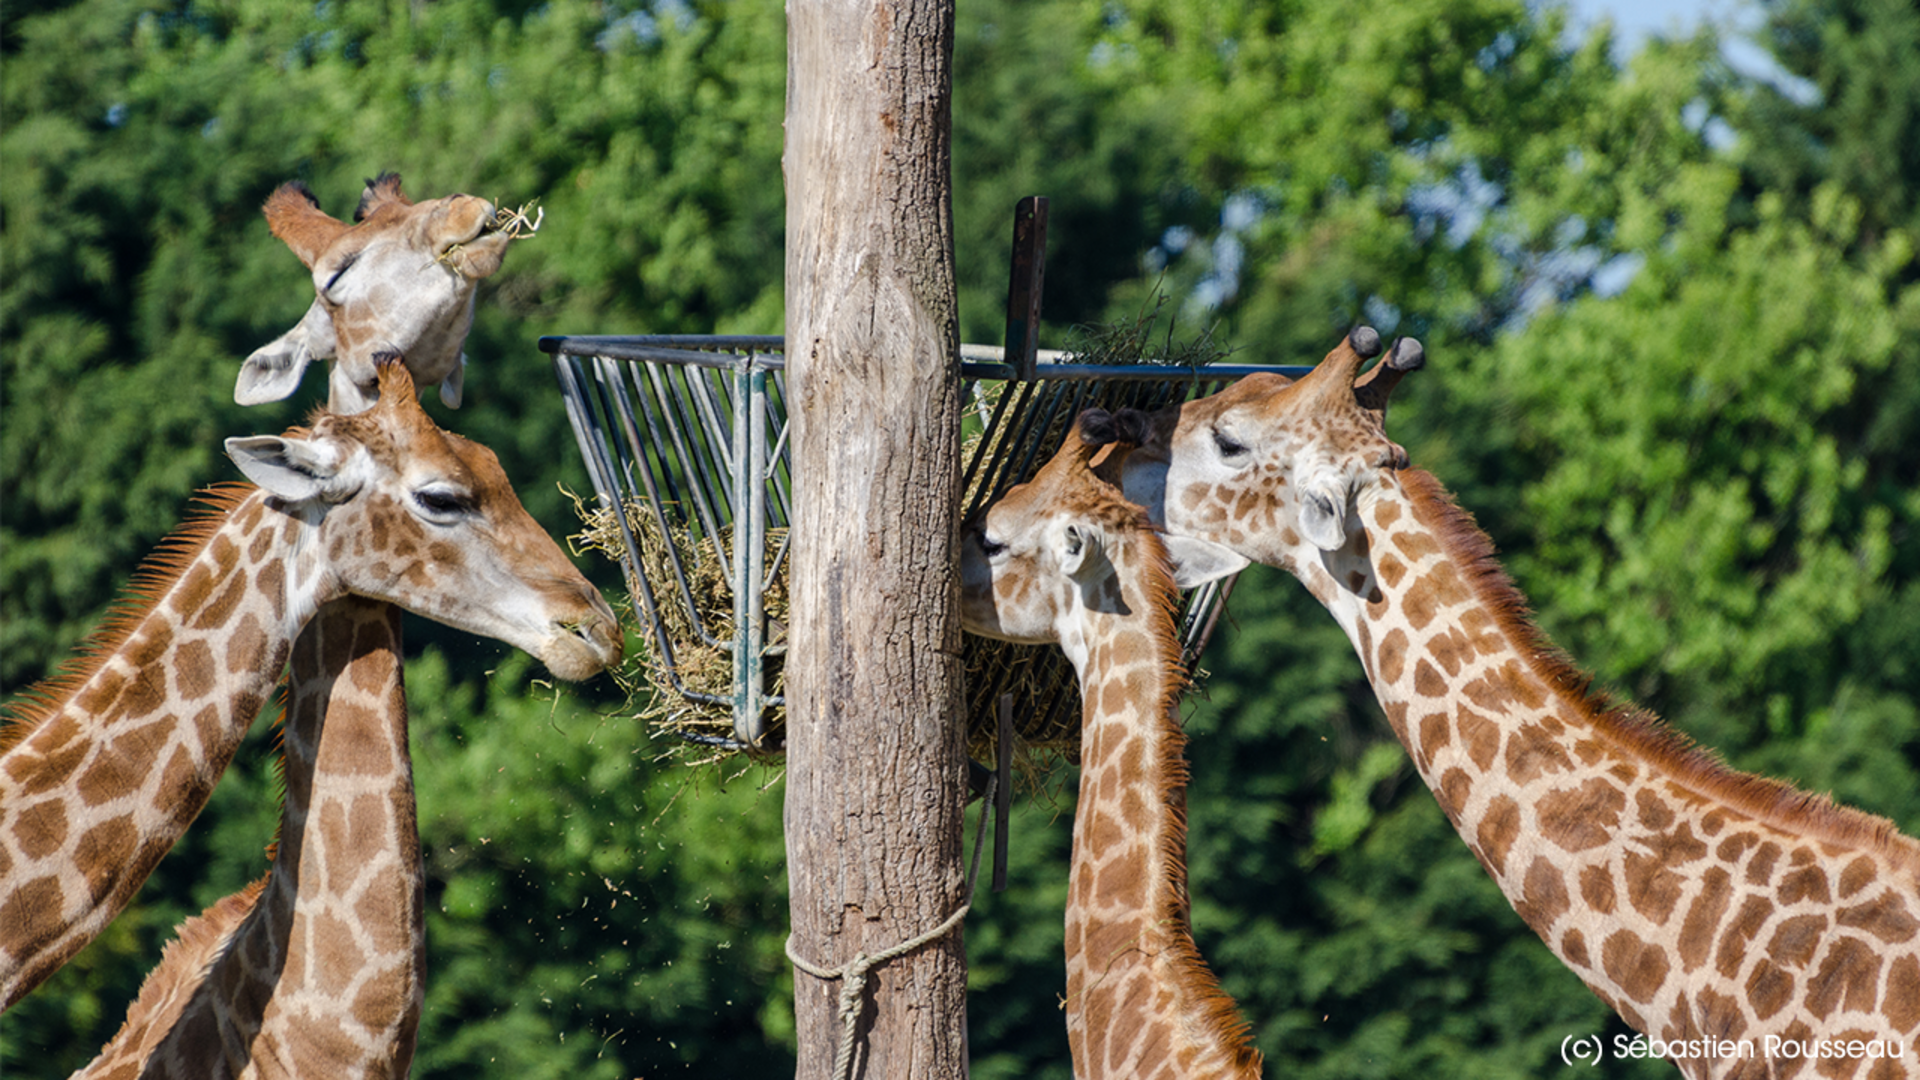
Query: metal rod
1026	277
699	479
1003	789
648	456
637	581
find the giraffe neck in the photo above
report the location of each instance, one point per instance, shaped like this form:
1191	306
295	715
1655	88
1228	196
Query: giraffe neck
1140	1000
317	971
1698	902
110	765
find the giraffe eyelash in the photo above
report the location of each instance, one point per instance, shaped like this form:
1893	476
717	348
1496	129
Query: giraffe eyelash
1227	444
443	503
346	264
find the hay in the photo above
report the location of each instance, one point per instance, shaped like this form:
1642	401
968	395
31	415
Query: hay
658	678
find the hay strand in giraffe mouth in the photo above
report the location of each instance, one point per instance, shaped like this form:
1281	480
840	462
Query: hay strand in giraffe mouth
516	224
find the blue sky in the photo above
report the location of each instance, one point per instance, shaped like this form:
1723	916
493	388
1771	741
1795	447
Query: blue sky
1635	20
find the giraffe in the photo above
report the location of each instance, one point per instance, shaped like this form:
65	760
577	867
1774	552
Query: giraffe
229	990
105	768
316	969
1064	558
398	283
1751	927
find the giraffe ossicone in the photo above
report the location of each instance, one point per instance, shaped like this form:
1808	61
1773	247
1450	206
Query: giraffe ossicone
397	283
107	764
1705	906
1064	558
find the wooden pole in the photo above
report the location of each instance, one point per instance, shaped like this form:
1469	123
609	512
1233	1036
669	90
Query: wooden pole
875	748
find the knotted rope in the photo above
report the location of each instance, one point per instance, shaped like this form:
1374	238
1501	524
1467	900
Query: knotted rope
854	972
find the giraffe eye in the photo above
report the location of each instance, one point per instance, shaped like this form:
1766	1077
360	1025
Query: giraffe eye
346	264
1227	444
443	503
991	548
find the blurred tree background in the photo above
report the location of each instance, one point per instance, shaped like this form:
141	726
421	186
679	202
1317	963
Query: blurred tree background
1672	314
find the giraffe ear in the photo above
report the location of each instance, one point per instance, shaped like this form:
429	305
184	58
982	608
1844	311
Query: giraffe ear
1197	561
296	470
1143	482
1083	554
273	371
294	215
452	386
1323	517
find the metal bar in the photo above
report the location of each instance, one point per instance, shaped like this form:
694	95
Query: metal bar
628	346
749	552
1011	473
710	405
702	408
1130	372
1002	473
699	479
1003	789
1206	620
977	362
1026	277
660	505
636	579
585	432
779	474
779	463
1008	392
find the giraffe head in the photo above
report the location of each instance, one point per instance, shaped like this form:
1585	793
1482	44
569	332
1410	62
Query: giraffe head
1269	467
407	513
398	283
1044	555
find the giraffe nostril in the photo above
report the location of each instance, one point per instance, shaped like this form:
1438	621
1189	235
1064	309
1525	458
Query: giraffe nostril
599	632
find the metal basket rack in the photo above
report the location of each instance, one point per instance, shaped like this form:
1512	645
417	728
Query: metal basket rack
694	429
692	432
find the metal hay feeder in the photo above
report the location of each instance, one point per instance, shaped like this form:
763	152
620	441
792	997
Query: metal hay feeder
685	438
690	433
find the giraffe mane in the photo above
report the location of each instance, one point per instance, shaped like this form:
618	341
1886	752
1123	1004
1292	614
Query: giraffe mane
197	943
1637	731
157	573
1221	1016
280	764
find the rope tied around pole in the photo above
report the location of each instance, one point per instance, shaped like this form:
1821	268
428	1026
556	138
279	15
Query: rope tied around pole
855	971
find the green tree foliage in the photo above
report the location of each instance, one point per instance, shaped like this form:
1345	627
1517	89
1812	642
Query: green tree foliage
1703	472
1859	128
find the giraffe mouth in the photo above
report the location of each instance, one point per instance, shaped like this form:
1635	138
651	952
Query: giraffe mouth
494	231
582	648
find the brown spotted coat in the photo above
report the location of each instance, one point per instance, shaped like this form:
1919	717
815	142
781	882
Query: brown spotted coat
1699	902
1140	1000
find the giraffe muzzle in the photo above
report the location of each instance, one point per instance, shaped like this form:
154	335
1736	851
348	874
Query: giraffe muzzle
583	647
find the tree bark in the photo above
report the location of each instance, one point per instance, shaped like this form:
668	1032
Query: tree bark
875	751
